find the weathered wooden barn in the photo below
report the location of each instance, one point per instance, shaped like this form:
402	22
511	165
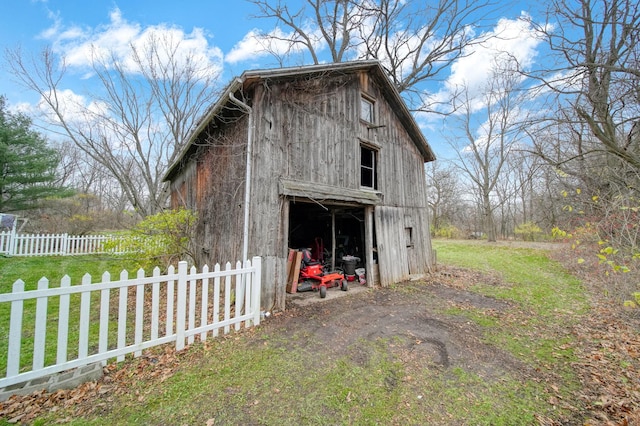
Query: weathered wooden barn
299	157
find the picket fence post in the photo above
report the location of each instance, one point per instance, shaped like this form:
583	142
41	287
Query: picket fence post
216	299
170	293
122	314
12	242
64	244
181	309
239	294
192	304
204	302
63	321
85	311
139	319
39	336
103	339
227	296
256	288
15	331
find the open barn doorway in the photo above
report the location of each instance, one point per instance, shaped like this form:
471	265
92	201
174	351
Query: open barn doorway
329	231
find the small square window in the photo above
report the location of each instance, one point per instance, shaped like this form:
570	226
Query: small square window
366	110
408	232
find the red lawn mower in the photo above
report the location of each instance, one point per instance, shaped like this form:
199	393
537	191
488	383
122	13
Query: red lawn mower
313	276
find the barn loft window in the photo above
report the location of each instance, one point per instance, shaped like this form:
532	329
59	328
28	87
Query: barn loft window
366	110
368	165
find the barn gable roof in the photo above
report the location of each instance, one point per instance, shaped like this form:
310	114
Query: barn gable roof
252	77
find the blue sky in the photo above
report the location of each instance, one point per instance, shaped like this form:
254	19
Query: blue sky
33	24
221	29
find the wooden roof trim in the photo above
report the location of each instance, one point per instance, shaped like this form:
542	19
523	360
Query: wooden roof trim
321	192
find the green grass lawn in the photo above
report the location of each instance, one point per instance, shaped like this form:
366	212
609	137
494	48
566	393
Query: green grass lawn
31	270
550	301
538	283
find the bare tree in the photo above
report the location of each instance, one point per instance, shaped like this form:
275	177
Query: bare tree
443	194
101	192
488	144
138	123
335	22
415	40
596	45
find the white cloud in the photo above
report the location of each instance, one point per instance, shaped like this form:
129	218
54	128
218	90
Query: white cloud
256	44
25	108
253	45
73	107
510	39
114	41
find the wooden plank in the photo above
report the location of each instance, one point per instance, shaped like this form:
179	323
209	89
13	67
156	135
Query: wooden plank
294	272
204	303
139	319
291	257
216	299
122	315
85	310
191	306
103	339
170	292
392	251
155	304
227	296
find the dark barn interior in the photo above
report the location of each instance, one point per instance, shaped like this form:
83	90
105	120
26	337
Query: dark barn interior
313	226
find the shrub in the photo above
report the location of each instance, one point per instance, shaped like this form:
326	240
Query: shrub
447	231
159	240
528	231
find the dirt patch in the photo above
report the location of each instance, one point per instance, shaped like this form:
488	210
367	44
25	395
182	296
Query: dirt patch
410	317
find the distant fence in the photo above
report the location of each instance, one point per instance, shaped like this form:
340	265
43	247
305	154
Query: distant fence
203	302
12	244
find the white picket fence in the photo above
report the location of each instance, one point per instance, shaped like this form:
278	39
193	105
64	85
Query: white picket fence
202	303
13	244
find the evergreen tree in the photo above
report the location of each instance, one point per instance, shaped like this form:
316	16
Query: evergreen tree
27	164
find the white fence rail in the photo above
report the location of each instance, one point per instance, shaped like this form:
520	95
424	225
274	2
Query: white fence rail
151	311
13	244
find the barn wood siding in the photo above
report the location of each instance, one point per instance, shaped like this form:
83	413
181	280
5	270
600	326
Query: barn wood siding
213	182
392	253
420	253
310	131
315	126
401	177
402	182
303	132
